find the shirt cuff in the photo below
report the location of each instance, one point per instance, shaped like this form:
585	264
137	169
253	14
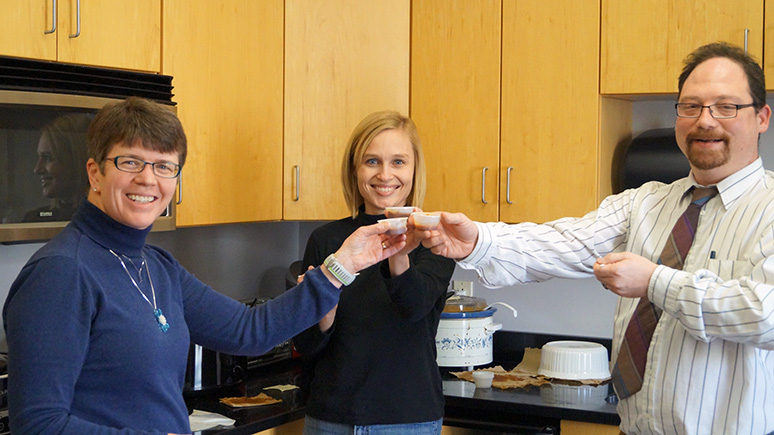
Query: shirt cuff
477	257
665	285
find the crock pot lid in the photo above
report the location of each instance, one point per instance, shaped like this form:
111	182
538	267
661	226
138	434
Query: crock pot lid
460	304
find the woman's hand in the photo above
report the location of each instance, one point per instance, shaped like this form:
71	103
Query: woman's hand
454	237
399	262
365	247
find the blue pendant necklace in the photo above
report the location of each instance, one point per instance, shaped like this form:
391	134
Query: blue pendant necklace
160	319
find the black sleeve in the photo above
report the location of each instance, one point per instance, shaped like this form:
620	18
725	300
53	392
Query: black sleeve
417	290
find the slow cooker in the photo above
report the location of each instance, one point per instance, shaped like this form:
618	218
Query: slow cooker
464	336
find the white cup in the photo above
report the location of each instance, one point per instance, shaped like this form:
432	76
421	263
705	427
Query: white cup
483	379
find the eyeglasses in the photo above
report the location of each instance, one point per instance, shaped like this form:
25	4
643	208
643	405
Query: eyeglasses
717	111
133	165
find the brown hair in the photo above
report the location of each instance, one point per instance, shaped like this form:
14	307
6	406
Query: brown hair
136	121
361	138
756	80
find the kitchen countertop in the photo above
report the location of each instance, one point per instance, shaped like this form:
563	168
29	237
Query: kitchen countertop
466	406
493	408
258	418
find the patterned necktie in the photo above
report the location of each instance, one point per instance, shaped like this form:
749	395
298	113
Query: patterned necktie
630	365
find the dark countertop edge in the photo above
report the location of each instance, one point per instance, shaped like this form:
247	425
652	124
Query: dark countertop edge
267	423
488	409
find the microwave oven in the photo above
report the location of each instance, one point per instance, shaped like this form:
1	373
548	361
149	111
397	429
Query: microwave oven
45	110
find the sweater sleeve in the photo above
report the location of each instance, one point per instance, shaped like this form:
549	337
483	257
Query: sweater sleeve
223	324
312	341
48	319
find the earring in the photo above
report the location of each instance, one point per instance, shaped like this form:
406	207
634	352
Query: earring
94	189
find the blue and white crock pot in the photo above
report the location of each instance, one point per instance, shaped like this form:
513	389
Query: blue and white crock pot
464	336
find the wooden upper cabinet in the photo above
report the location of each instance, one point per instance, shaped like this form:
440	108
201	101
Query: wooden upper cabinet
226	59
768	46
644	42
550	108
27	29
455	102
343	60
108	33
113	33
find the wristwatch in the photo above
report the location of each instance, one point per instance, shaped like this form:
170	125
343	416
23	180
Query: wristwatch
341	273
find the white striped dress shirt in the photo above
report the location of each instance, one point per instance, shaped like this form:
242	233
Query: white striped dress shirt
710	368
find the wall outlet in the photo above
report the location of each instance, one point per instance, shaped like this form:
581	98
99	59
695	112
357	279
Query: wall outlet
462	287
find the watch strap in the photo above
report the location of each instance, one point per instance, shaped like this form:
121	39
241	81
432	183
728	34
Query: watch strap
339	271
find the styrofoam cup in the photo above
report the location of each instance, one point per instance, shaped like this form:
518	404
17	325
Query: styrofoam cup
483	379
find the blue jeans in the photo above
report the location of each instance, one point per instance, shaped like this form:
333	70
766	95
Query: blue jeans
313	426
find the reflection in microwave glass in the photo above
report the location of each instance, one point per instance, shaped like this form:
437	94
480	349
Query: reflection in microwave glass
43	152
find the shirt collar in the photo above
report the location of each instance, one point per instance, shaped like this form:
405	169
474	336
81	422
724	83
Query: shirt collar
733	186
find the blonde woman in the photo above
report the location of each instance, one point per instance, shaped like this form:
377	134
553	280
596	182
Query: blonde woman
374	353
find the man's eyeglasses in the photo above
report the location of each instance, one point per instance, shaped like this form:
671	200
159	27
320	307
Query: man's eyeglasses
133	165
717	111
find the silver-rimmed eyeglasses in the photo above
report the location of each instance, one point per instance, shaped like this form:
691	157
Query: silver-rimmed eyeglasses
135	165
717	111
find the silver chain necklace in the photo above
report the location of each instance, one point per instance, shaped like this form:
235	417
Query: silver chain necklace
162	321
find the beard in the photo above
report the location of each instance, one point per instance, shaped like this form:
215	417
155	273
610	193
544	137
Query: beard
702	158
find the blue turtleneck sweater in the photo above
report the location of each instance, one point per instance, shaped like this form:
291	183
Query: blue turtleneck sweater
86	354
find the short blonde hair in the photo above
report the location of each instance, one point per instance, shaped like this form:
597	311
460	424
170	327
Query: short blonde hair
361	138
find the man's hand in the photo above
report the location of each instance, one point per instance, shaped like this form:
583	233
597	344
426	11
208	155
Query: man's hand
454	237
625	274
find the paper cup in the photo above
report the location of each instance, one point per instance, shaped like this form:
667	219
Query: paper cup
483	379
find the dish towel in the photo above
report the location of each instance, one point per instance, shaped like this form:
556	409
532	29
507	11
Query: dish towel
630	365
201	420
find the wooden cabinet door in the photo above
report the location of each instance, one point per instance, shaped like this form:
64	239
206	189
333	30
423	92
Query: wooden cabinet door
23	27
768	46
644	42
113	33
226	59
569	427
343	60
549	109
455	102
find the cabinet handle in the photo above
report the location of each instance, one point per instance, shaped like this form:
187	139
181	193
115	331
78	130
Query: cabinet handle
77	19
746	34
53	18
483	185
508	185
297	172
180	189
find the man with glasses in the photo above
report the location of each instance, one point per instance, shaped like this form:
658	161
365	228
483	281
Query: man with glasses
694	327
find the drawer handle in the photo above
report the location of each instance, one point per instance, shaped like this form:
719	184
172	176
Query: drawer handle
508	186
297	173
483	185
746	37
77	19
53	18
